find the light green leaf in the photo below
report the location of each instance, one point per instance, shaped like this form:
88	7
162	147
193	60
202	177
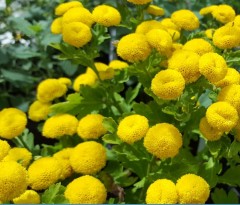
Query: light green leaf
234	149
111	139
219	196
110	124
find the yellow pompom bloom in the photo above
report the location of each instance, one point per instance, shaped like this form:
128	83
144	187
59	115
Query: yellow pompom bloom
106	15
13	180
222	116
224	13
64	7
175	34
199	46
209	132
86	190
12	122
185	19
44	172
168	23
155	10
4	149
192	189
168	84
84	79
213	66
163	140
139	2
88	157
91	127
56	26
105	72
67	170
76	34
133	47
162	191
132	128
28	197
208	10
232	77
187	63
38	111
60	125
65	81
209	33
117	65
64	153
50	89
147	26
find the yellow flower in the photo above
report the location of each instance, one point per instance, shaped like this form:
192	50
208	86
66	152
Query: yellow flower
64	153
104	71
185	19
84	79
222	116
12	122
210	133
88	157
60	125
117	65
20	155
38	111
208	10
163	140
86	190
213	66
65	81
209	33
106	15
224	13
28	197
50	89
13	180
56	26
175	34
192	189
4	149
133	47
199	46
232	77
139	2
168	84
155	10
132	128
44	172
168	23
187	63
162	191
76	34
64	7
147	26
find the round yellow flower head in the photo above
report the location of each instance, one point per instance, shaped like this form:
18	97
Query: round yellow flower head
162	191
56	26
185	19
106	15
160	39
20	155
147	26
65	81
132	128
163	140
232	77
13	180
28	197
213	66
224	13
208	10
44	172
210	133
168	23
155	10
199	46
64	153
86	190
209	33
118	64
64	7
187	63
175	34
60	125
12	122
192	189
38	111
4	149
50	89
236	22
133	47
91	127
168	84
84	79
67	170
139	2
88	157
78	14
105	72
76	34
222	116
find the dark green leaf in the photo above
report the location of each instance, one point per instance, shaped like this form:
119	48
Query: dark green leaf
231	176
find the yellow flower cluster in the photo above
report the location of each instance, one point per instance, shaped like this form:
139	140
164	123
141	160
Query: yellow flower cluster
146	26
64	7
28	197
155	10
105	72
5	147
38	111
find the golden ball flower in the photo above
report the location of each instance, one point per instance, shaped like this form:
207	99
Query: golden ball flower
192	189
163	140
155	10
139	2
12	122
175	34
132	128
64	153
88	157
64	7
232	77
208	10
104	71
84	79
67	170
146	26
118	65
38	111
209	33
28	197
222	116
44	172
168	84
60	125
4	149
86	190
106	15
56	26
168	23
224	13
65	81
13	180
162	191
133	47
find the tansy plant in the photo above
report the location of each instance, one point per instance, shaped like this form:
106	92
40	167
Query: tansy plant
158	123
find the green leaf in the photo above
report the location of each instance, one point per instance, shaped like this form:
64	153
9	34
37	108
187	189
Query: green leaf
110	124
231	176
131	94
140	184
214	147
111	139
68	67
219	196
234	149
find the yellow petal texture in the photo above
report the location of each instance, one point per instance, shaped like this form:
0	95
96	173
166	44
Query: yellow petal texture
155	10
224	13
118	64
38	111
4	149
147	26
139	2
232	77
84	79
56	26
28	197
64	7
